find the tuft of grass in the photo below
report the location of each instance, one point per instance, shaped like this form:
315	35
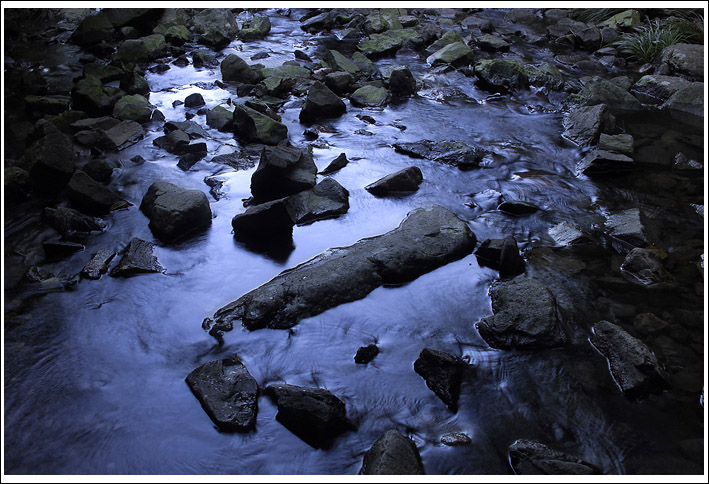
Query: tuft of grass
594	15
647	41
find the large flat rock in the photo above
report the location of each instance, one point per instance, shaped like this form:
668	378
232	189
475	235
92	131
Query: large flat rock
427	238
534	458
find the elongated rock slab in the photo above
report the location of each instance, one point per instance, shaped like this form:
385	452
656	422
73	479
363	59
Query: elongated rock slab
534	458
427	238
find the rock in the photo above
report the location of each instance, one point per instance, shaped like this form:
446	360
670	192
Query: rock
194	100
98	264
619	143
335	165
274	86
132	51
268	220
104	122
405	180
326	200
227	392
192	129
546	76
122	135
456	54
99	170
338	62
587	37
17	184
299	54
93	29
534	458
68	221
443	373
525	316
600	91
627	227
649	324
253	127
175	211
235	69
517	208
501	75
402	82
625	20
657	89
257	28
220	118
602	162
59	249
392	454
634	367
133	108
216	26
92	196
449	37
339	82
177	35
321	103
686	60
141	18
380	45
188	160
317	23
686	166
38	106
90	95
137	258
477	22
155	46
426	239
565	233
369	96
492	43
449	152
204	58
173	142
133	82
456	439
313	414
283	171
687	105
54	161
584	124
644	268
502	255
365	354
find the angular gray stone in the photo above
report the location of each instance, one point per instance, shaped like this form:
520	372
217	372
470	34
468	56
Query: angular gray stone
492	43
268	220
406	180
378	45
634	368
155	46
584	124
627	226
335	165
54	161
449	37
235	69
525	316
92	196
657	89
220	118
619	143
682	59
253	127
501	75
443	373
132	51
338	62
173	142
133	108
121	136
426	239
338	82
392	454
534	458
320	103
401	82
600	91
98	264
453	153
68	221
93	29
327	199
602	162
216	26
256	28
99	170
227	392
91	96
175	212
644	268
138	258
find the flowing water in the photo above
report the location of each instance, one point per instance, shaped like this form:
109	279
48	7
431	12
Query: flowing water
94	376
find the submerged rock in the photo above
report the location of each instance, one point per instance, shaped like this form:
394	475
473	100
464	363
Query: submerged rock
175	211
406	180
227	392
313	414
532	458
456	439
137	258
633	366
283	171
392	454
321	102
426	239
98	264
68	221
449	152
644	268
443	373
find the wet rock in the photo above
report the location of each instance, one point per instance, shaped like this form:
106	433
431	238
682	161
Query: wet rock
188	160
256	28
449	152
98	264
517	208
235	69
274	86
525	316
54	161
369	96
175	211
686	60
133	82
137	258
443	373
449	37
17	184
264	221
133	108
220	118
566	233
216	27
59	249
545	75
649	324
327	199
299	54
619	143
365	354
601	162
644	268
406	180
132	51
401	82
335	165
600	91
283	171
627	226
633	366
456	54
338	62
104	122
584	124
534	458
204	58
339	82
90	95
492	43
501	75
392	454
68	221
426	239
173	142
456	439
141	18
93	29
313	414
227	392
657	89
502	255
155	46
91	196
317	23
687	105
177	35
321	103
477	22
685	166
253	127
194	100
379	45
38	106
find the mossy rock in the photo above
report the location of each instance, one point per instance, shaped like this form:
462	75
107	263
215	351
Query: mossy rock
545	75
378	45
338	62
501	75
257	28
253	127
624	20
155	46
133	108
601	91
132	51
295	72
456	54
450	37
177	35
369	96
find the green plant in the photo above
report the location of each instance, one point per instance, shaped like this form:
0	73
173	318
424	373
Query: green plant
594	15
647	41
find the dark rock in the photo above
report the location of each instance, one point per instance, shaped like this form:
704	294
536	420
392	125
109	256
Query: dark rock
155	46
311	134
619	143
517	208
452	153
256	28
142	19
253	127
338	62
38	106
502	255
99	170
634	367
173	142
58	249
687	105
405	180
283	171
449	37
204	58
227	392
92	196
17	184
584	124
220	118
194	148
188	160
121	136
326	200
68	221
317	23
260	55
138	160
336	164
657	89
365	354
215	186
235	69
104	122
137	258
500	75
686	60
492	43
98	264
132	51
93	29
54	161
267	220
532	458
190	128
133	82
321	102
175	211
236	160
525	316
392	454
402	82
456	439
299	54
443	373
313	414
546	76
133	108
338	82
216	26
177	35
687	167
194	100
600	91
426	239
649	324
90	95
644	268
601	162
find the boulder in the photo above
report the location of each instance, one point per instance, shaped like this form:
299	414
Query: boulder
251	126
235	69
142	19
38	106
448	38
619	143
192	129
525	316
91	196
177	35
502	255
448	152
643	267
155	46
173	142
545	75
90	95
131	51
601	162
283	171
17	184
256	28
338	62
121	135
370	96
322	21
204	58
365	354
501	75
220	118
686	60
98	264
175	211
335	165
534	458
133	82
268	220
320	103
313	414
392	454
687	105
138	258
584	124
402	82
99	170
93	29
216	27
227	392
406	180
379	45
657	89
339	82
426	239
456	54
634	368
274	86
194	100
600	91
443	373
54	161
68	221
492	43
327	199
133	108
